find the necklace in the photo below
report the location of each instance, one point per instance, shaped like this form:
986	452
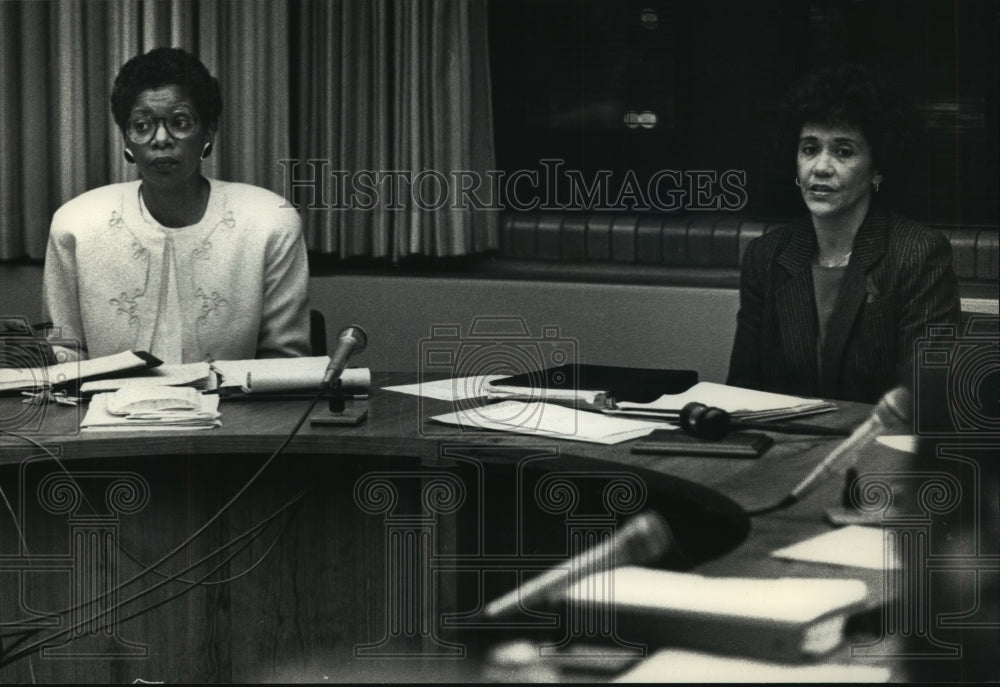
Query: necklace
834	263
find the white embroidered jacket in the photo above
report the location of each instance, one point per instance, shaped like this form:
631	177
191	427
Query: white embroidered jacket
241	275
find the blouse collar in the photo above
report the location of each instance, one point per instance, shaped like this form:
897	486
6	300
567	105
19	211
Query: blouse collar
869	242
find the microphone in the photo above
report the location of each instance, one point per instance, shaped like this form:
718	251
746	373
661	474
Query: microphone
893	412
643	539
352	339
707	422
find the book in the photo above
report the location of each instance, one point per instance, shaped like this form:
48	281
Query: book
62	374
742	404
787	619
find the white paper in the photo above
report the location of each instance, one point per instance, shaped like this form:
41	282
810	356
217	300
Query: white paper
550	420
854	546
900	442
678	665
458	389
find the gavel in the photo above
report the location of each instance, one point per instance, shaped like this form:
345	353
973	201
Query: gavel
708	422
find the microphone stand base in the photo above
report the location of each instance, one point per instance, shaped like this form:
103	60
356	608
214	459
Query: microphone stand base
343	413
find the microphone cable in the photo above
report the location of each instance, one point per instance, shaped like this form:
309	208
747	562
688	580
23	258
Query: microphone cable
894	408
255	531
250	535
183	544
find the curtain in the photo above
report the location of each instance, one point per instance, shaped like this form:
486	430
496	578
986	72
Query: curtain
393	115
59	60
364	85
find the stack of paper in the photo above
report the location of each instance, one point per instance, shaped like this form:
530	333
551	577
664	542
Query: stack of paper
549	420
742	404
197	375
277	375
154	407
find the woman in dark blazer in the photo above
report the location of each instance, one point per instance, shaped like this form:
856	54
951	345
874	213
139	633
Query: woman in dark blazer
832	305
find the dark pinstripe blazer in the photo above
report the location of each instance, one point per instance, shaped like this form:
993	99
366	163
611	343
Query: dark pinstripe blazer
899	280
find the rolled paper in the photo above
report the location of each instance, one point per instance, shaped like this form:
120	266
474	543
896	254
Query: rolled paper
279	375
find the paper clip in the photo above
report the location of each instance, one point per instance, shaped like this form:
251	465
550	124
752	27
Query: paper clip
37	398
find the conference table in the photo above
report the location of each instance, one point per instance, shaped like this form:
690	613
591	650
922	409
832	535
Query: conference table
362	552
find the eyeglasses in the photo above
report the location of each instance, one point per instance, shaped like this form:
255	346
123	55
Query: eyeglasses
141	128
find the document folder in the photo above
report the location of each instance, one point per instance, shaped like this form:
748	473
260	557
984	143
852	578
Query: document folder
632	384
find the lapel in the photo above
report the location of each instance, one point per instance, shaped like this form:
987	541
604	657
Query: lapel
794	301
869	246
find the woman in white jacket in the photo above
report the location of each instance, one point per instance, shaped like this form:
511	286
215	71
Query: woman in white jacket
185	267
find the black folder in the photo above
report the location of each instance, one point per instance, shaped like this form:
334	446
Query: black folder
622	383
21	345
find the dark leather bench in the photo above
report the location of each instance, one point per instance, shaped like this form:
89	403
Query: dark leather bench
686	249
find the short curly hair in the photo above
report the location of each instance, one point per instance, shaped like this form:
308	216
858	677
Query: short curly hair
166	67
850	95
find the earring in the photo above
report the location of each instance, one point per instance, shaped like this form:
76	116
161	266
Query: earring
129	157
797	182
875	183
207	150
